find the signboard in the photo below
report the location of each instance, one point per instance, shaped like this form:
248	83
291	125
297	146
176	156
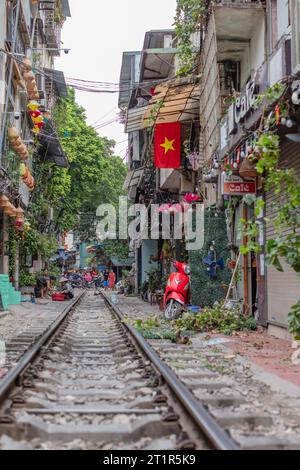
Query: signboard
239	110
236	186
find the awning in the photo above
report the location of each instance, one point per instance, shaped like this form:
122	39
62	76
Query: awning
50	149
65	6
135	119
180	102
59	81
119	263
130	75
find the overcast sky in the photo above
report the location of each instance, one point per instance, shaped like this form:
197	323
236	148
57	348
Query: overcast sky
97	34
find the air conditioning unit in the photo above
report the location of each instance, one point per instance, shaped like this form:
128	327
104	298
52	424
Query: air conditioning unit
295	19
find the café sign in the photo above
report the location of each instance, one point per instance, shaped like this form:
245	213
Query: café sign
235	186
239	110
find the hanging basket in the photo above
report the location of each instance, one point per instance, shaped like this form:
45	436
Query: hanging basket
231	264
247	169
12	133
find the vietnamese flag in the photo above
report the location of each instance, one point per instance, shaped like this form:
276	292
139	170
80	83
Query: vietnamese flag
167	145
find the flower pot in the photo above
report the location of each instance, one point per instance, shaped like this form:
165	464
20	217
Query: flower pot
231	264
247	169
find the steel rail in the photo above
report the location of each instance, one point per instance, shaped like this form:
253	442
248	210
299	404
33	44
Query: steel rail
8	381
208	425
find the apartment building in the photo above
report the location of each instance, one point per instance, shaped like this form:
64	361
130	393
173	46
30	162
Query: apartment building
30	39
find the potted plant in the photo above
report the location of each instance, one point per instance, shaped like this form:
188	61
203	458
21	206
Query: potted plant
231	264
27	282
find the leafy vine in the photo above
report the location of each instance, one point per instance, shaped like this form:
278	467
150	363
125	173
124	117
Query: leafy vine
190	15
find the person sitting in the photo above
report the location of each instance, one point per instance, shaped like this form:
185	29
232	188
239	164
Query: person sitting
66	288
42	285
52	284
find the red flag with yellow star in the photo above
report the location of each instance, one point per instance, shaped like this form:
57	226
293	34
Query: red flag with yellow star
167	143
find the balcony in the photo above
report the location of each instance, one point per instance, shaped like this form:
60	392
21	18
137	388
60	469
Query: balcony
53	35
233	51
240	32
52	26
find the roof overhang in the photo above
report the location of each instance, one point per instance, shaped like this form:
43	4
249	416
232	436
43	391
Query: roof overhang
180	102
129	75
65	7
157	64
59	80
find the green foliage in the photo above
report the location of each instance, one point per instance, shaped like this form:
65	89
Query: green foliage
26	279
217	318
12	164
156	280
206	291
271	95
13	244
190	14
36	242
154	328
116	248
95	175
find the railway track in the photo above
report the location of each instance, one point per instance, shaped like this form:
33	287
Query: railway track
91	382
87	383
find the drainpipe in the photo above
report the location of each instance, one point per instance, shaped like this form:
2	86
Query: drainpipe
245	266
10	75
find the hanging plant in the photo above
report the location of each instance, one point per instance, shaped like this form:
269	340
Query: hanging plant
190	15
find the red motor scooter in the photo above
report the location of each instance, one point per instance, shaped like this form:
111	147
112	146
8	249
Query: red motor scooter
177	291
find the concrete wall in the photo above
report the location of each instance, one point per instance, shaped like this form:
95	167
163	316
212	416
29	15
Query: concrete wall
257	45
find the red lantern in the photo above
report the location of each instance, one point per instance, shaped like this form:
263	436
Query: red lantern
277	114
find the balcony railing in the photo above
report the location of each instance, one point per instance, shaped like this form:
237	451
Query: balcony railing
52	26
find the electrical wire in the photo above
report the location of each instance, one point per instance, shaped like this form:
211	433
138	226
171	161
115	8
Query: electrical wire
94	86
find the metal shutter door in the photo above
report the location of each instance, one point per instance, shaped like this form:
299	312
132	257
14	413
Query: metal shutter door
283	289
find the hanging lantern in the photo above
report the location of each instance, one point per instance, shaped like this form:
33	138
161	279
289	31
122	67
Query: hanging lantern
20	212
19	224
17	145
27	64
33	106
277	114
12	133
36	129
4	201
26	172
37	119
191	197
29	76
35	114
10	210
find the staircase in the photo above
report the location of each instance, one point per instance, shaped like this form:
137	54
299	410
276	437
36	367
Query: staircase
9	295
